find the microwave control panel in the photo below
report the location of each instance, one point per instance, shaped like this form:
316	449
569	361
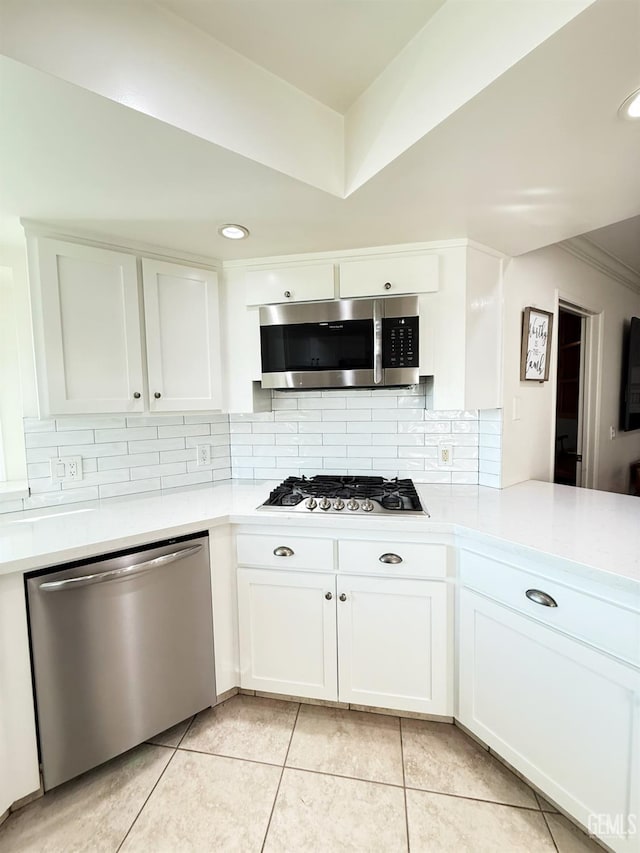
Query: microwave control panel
400	342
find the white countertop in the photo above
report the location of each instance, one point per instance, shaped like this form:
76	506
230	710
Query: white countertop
596	530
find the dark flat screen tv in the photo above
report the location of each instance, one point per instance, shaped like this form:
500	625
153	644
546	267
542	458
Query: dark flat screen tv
630	397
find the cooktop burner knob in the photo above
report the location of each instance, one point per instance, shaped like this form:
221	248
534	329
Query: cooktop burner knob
353	504
338	504
367	505
311	503
325	504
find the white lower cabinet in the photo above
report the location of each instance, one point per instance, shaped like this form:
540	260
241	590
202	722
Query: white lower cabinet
287	626
393	646
563	714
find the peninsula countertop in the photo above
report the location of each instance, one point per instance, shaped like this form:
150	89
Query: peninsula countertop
599	531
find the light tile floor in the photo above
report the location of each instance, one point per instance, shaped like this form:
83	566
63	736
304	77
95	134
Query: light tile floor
259	774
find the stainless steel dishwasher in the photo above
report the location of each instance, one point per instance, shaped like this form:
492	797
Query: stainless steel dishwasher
122	648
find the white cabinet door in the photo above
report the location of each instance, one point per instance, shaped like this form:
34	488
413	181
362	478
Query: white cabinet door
394	646
290	284
183	337
287	626
389	276
559	712
87	329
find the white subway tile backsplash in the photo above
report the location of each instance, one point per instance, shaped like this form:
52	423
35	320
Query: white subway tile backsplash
281	404
348	439
58	439
160	470
112	490
306	438
37	425
178	455
39	469
155	445
69	422
321	427
96	450
255	438
318	451
183	430
98	478
289	426
126	434
375	427
352	415
153	420
390	431
207	418
134	460
372	450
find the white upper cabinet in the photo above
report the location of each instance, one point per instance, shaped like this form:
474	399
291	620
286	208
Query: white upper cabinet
302	283
87	330
89	339
391	276
182	336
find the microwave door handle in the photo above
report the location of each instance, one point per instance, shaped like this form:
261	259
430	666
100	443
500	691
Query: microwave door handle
377	343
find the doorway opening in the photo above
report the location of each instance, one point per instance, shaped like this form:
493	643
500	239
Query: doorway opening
570	397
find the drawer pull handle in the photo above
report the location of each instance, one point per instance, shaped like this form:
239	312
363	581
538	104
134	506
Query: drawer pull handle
328	596
539	597
390	558
343	597
283	551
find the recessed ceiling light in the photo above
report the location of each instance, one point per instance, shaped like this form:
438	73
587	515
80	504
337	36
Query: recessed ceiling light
630	107
233	232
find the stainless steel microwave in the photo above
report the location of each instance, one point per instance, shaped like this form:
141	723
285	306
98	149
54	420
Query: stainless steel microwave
348	343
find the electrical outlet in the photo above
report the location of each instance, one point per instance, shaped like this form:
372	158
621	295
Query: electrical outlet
65	469
204	454
446	454
612	432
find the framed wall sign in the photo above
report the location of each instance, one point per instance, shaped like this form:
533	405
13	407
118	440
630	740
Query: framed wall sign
535	356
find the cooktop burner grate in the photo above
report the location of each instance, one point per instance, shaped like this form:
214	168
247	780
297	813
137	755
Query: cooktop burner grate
336	493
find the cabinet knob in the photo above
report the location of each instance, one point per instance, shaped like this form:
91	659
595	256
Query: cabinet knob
390	558
136	395
328	596
287	294
343	597
283	551
387	285
157	395
539	597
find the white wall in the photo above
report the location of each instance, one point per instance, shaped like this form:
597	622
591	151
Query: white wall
538	279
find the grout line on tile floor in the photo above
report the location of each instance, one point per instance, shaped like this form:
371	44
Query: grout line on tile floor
186	731
546	823
473	799
284	764
142	807
404	789
224	755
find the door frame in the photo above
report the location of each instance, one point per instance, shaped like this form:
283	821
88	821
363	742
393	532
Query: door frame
591	357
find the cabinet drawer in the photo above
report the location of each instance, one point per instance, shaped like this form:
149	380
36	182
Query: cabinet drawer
258	550
415	274
371	557
303	284
607	626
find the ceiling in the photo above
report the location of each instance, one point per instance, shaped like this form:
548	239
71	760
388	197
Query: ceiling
330	49
535	156
621	240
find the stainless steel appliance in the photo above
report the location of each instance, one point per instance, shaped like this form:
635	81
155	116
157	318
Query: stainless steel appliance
343	343
122	648
331	494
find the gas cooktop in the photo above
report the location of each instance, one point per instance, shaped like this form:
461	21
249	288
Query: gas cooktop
345	494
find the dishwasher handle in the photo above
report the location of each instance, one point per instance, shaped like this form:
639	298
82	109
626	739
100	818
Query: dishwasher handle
119	574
